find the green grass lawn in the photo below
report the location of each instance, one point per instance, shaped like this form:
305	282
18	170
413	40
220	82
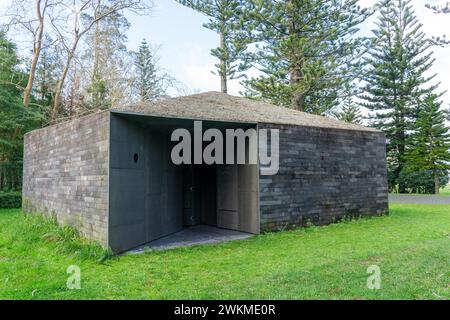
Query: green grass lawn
411	247
445	191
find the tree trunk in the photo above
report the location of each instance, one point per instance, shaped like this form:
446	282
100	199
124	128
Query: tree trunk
95	99
296	75
37	45
1	179
437	186
223	63
401	155
60	85
298	98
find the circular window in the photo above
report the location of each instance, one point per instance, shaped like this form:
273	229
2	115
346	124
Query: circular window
136	158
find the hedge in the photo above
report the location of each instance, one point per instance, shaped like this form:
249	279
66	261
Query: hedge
11	199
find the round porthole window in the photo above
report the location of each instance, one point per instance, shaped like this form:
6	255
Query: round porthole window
136	158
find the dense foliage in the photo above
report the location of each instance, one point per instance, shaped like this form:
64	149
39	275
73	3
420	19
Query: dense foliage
15	120
307	51
9	200
430	144
423	181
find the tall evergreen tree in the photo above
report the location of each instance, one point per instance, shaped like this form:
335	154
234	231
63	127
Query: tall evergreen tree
396	78
306	51
225	18
150	84
430	143
349	113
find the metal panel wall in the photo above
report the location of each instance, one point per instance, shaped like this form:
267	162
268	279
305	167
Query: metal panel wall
145	187
237	198
127	186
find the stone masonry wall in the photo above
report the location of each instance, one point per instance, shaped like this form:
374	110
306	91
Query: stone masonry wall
66	174
325	175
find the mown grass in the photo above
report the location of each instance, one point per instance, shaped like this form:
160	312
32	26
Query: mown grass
445	191
411	247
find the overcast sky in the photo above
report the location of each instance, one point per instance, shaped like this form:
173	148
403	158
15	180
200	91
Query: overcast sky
184	45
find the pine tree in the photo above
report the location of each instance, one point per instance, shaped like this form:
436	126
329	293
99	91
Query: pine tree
430	143
306	51
396	79
349	113
149	84
226	18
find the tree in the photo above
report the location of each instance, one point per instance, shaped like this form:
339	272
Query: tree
430	143
41	6
306	51
106	47
15	120
35	24
226	18
395	79
85	14
47	73
349	113
150	84
422	181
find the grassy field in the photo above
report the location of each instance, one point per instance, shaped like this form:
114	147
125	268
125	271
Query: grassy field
445	191
411	247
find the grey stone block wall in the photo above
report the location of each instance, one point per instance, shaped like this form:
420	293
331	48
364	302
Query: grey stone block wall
66	174
325	175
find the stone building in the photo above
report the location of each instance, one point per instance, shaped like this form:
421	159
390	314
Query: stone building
111	174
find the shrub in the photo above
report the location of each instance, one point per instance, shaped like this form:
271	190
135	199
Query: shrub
11	199
422	181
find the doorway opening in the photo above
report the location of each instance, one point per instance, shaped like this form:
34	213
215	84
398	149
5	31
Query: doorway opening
154	202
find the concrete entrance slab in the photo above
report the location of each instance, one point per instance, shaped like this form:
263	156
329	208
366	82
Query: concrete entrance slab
191	236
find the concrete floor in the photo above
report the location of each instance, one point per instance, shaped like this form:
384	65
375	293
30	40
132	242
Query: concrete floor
191	236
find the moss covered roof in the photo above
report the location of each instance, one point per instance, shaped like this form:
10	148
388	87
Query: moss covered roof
218	106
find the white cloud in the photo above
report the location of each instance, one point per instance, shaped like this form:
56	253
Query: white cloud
196	69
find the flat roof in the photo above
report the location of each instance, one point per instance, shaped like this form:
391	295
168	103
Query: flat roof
216	106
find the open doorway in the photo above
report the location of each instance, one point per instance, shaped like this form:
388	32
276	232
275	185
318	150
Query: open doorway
222	196
152	199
